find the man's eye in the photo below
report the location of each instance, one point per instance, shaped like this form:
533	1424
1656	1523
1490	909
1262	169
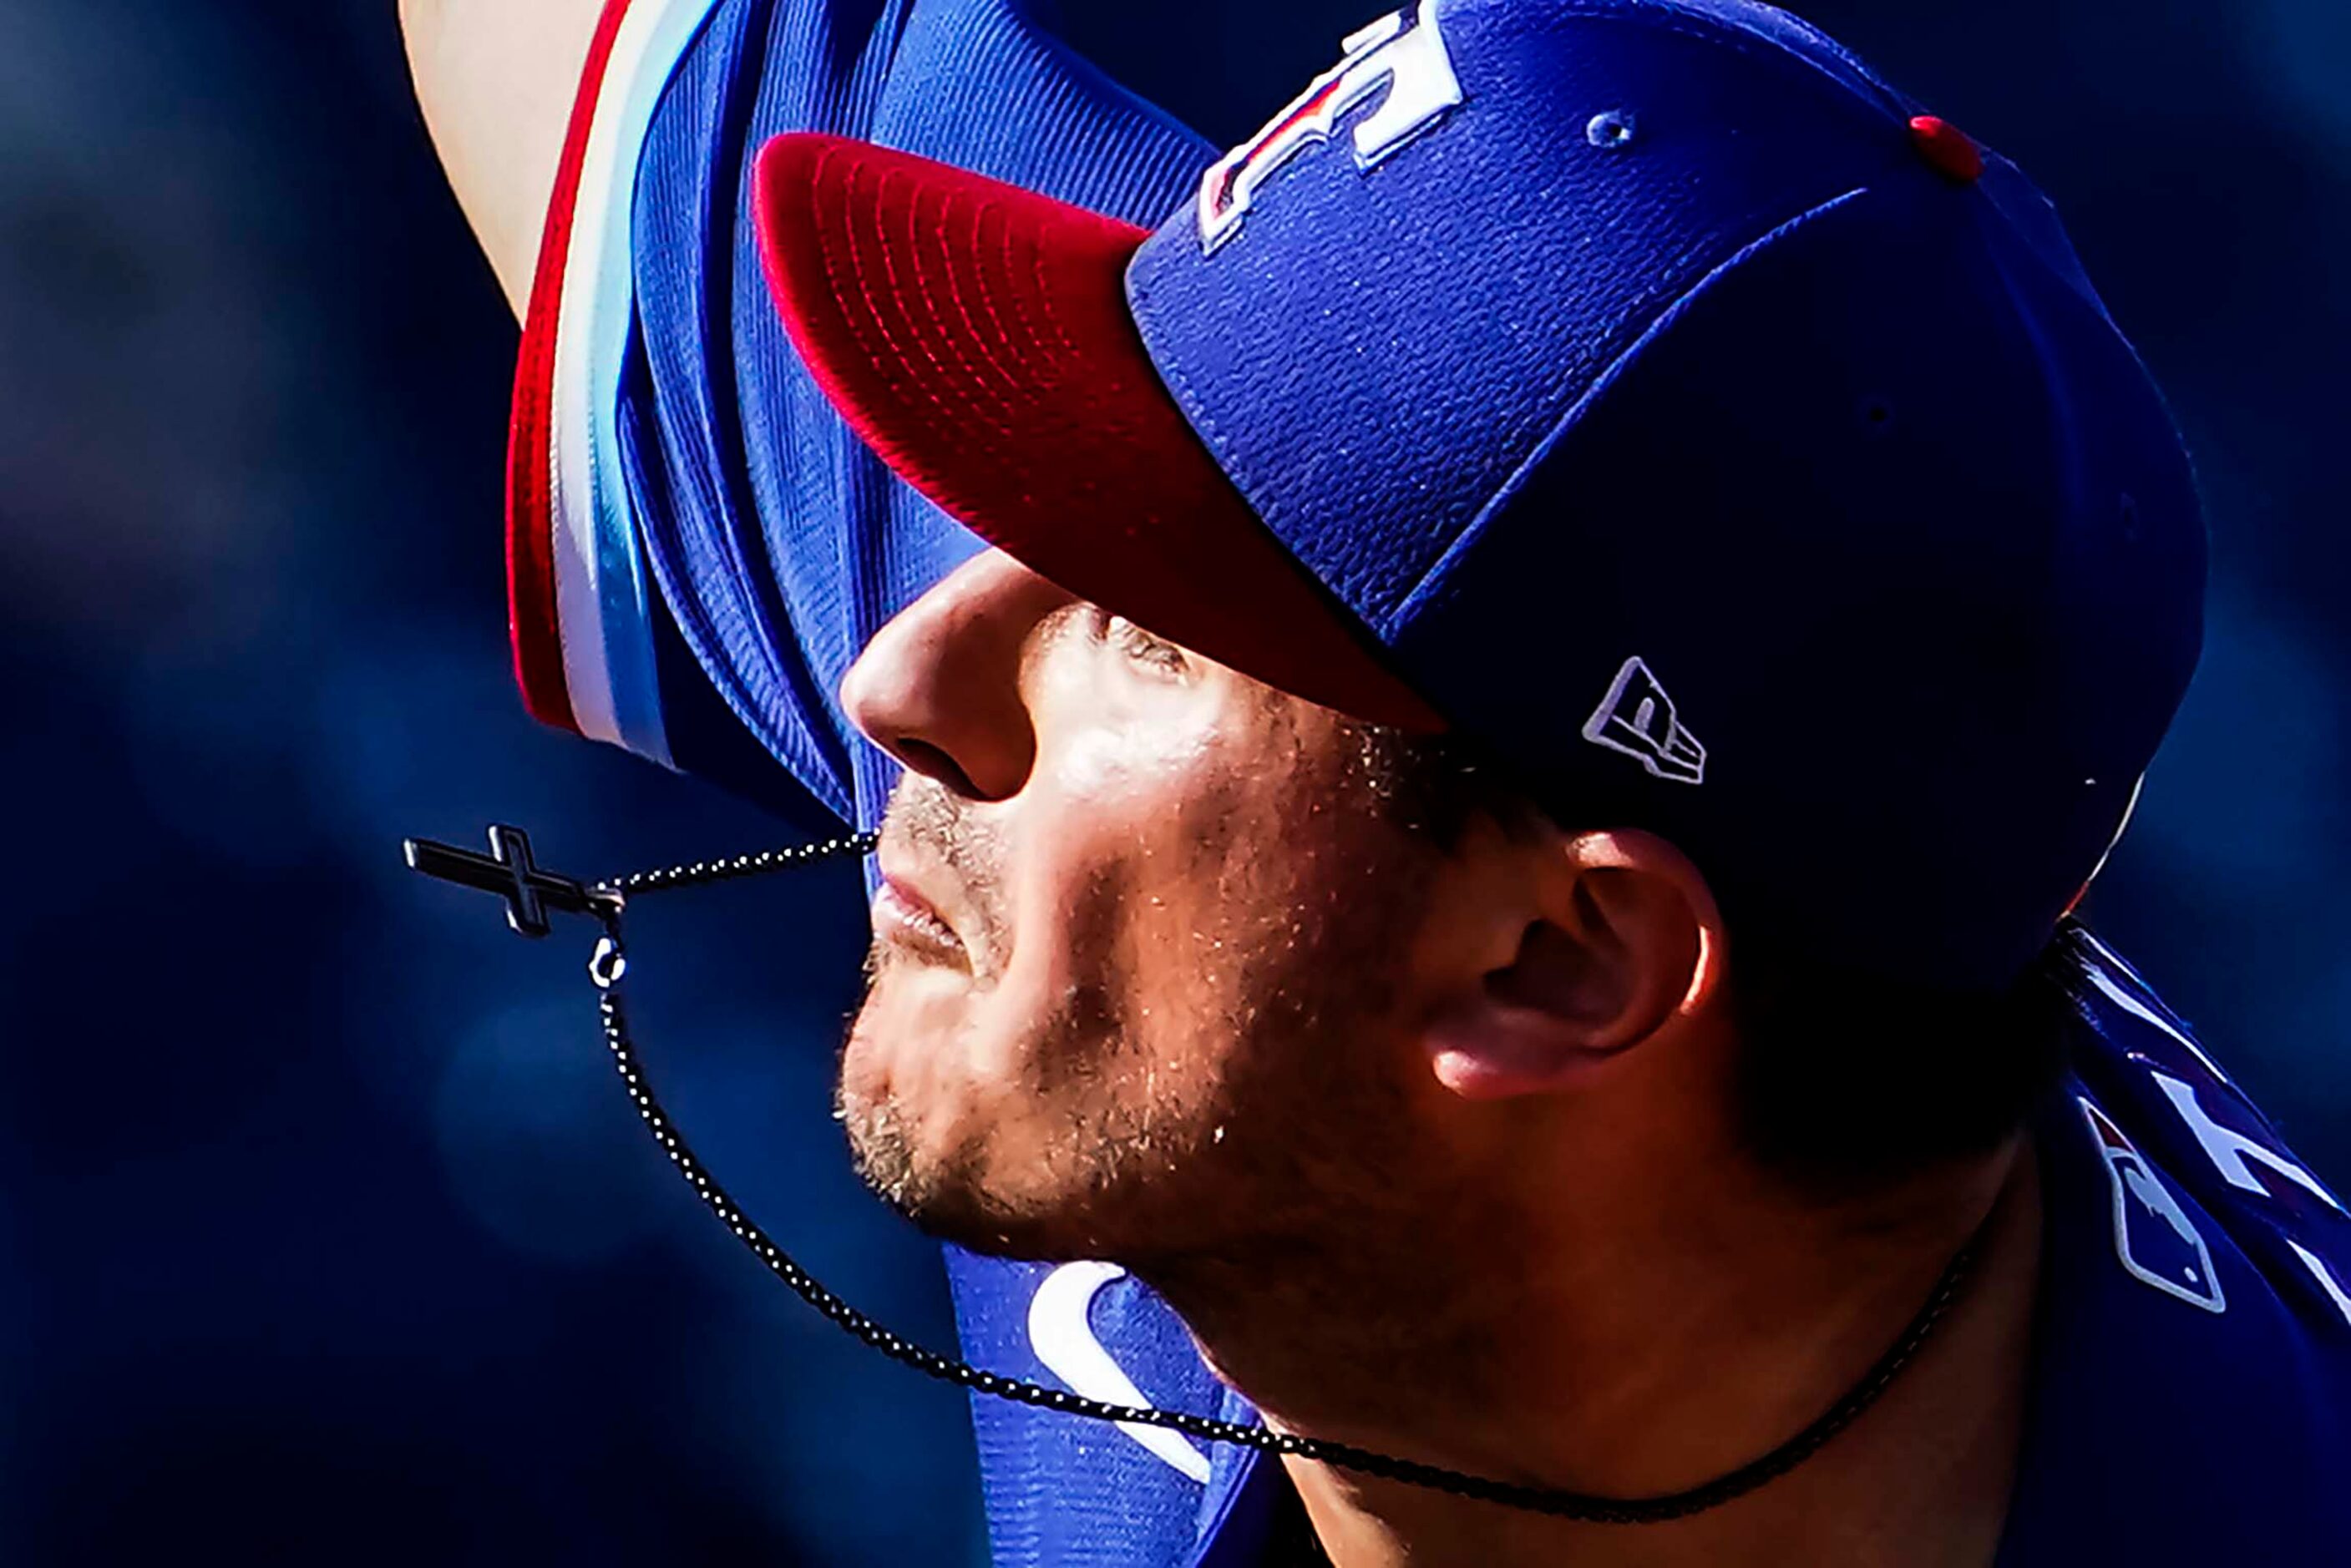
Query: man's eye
1136	643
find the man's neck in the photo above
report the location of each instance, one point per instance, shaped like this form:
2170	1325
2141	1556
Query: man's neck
1641	1370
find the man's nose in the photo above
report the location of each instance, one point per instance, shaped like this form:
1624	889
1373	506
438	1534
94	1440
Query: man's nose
939	687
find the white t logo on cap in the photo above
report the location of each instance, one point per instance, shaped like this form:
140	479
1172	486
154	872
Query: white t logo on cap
1418	72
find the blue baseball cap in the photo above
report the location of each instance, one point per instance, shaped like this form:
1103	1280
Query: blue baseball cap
1641	388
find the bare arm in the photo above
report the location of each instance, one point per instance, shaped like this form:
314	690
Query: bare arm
496	79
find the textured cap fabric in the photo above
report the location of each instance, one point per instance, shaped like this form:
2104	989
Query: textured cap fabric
1735	449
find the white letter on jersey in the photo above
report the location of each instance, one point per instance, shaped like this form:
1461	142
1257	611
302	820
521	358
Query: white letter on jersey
2229	1150
1064	1341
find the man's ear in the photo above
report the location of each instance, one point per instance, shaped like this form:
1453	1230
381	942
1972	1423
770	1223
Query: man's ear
1625	945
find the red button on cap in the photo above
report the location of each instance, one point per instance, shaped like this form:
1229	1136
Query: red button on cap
1947	148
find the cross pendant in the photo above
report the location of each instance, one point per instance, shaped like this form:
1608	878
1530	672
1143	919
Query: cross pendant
508	871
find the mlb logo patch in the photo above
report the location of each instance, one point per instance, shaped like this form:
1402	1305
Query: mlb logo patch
2158	1244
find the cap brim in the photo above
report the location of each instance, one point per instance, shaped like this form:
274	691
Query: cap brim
975	335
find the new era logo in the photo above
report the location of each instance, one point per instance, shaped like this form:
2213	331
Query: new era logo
1637	719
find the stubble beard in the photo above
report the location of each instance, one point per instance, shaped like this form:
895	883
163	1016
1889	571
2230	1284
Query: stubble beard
1111	1157
1291	1149
1290	1140
1296	1213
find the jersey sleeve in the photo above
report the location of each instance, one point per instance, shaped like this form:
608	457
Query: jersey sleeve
696	546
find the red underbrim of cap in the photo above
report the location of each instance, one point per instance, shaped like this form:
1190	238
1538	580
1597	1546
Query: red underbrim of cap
975	335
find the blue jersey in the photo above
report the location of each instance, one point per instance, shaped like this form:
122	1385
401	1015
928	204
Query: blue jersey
698	548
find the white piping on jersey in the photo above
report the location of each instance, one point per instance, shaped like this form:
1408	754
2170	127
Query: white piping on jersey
2324	1275
603	611
1063	1338
2146	1014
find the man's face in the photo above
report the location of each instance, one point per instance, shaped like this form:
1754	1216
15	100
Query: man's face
1145	966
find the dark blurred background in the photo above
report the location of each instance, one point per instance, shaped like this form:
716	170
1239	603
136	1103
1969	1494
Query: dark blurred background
328	1238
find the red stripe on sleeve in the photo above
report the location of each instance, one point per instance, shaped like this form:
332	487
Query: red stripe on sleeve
530	522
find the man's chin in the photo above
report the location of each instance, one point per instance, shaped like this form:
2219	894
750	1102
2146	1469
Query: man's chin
943	1190
945	1128
918	1144
956	1182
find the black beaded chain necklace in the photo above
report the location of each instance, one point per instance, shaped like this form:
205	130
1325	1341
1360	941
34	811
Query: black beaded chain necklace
530	892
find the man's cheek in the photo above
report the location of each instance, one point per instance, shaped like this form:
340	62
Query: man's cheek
1107	787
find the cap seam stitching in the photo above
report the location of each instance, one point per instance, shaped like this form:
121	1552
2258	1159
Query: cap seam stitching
1432	582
